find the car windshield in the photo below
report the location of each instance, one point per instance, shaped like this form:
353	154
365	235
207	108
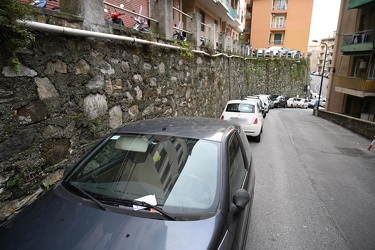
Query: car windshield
240	107
182	173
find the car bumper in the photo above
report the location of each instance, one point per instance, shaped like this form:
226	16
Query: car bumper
252	130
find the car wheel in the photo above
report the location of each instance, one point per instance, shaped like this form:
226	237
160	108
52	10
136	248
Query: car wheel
257	138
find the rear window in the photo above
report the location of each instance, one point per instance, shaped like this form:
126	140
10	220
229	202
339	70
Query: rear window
240	107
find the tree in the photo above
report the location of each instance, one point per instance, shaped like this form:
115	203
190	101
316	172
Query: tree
13	35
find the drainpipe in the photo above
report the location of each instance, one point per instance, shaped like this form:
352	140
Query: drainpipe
86	33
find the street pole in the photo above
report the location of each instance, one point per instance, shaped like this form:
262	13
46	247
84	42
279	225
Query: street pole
324	65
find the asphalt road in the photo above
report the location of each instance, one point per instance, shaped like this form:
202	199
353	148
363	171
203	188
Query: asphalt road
315	84
315	185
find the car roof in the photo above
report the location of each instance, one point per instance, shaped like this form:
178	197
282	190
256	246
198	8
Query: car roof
191	127
251	101
252	97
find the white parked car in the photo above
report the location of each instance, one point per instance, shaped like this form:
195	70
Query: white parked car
266	101
302	103
260	52
276	50
290	102
322	102
246	113
260	103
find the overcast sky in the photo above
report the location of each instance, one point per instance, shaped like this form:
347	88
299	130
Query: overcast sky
324	19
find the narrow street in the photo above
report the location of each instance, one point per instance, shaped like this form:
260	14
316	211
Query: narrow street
315	84
315	185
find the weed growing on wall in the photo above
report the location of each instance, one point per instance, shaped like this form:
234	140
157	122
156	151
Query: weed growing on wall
186	50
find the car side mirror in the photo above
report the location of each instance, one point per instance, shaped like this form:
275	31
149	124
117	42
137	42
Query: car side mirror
240	200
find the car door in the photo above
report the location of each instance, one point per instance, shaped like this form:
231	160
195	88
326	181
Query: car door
239	178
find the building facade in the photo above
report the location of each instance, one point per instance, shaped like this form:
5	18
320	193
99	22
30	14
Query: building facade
227	17
317	56
222	21
352	85
281	22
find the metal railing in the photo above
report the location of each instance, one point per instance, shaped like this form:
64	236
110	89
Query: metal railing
179	28
280	7
277	26
273	42
359	37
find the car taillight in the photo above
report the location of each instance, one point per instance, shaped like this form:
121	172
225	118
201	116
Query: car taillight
222	117
255	121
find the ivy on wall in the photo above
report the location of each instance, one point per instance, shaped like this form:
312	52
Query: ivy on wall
275	76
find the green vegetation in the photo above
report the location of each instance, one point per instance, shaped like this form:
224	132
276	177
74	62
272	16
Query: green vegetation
186	50
16	181
12	35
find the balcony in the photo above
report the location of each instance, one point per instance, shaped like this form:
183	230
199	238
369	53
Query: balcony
358	84
356	4
276	42
358	43
280	7
223	9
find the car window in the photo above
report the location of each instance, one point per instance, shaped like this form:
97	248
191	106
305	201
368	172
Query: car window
182	173
246	146
240	107
236	164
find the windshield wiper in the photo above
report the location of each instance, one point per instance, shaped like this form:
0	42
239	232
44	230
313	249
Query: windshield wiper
149	206
125	202
83	192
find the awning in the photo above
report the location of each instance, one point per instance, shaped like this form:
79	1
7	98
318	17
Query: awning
353	4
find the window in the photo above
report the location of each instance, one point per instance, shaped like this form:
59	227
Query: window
371	72
279	22
278	39
240	107
203	20
236	164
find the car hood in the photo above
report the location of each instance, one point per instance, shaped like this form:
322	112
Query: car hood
55	222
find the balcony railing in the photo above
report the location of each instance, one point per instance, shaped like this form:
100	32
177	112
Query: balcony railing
233	12
225	3
278	42
278	26
355	83
280	7
359	42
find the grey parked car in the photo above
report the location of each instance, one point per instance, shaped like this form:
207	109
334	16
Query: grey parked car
168	183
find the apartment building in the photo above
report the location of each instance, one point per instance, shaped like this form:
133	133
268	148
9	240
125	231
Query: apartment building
352	85
280	22
228	15
248	20
317	55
